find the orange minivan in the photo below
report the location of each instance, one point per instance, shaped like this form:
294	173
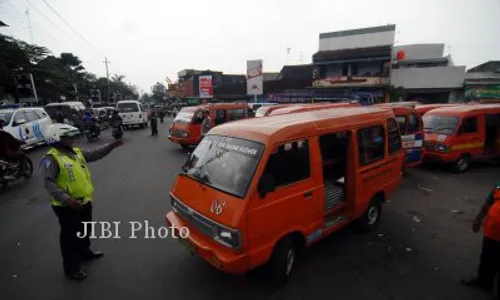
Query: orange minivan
424	108
311	107
462	133
186	127
255	192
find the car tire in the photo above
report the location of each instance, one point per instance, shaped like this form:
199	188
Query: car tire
282	261
371	216
29	168
462	164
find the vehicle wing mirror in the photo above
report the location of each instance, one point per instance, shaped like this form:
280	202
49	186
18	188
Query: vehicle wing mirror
19	122
266	185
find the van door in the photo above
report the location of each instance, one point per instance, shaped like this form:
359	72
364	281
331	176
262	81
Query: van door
20	126
470	139
295	203
373	167
492	131
413	140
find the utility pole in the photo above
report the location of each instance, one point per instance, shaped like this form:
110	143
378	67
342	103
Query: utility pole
106	62
29	20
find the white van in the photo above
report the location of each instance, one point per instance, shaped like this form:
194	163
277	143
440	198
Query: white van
133	113
27	124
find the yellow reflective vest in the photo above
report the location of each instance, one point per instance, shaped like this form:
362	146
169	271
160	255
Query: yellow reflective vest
74	176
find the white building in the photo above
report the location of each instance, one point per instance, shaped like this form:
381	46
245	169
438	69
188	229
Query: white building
425	74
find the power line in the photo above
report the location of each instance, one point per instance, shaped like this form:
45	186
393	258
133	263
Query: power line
70	27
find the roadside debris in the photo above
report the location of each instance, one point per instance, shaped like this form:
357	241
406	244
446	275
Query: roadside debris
425	189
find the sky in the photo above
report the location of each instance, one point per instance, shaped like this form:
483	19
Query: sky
148	40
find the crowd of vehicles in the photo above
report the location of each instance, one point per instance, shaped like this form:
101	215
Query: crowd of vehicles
243	190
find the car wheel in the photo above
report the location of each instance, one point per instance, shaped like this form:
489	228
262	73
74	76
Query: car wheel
371	216
282	261
462	164
29	168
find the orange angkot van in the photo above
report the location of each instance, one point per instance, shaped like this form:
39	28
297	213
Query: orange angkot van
424	108
257	191
460	134
186	127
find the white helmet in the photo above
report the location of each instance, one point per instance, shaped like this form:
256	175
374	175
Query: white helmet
58	131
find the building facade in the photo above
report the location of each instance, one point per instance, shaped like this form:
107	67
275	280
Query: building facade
422	72
483	82
353	62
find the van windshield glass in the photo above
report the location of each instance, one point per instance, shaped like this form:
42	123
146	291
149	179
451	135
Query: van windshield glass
224	163
440	124
184	116
261	112
128	107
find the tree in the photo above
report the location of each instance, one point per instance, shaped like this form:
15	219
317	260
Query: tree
158	92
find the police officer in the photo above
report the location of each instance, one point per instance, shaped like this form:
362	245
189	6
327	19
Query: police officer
489	264
206	125
68	180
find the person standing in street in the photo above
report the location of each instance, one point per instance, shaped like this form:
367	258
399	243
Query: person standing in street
489	263
154	124
68	181
206	125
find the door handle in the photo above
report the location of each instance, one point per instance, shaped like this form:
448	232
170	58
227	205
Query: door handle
308	194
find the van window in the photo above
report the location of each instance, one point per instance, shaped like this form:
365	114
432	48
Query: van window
440	124
469	125
413	123
236	114
184	116
220	116
19	118
41	114
127	107
290	163
371	144
31	116
401	123
394	136
198	118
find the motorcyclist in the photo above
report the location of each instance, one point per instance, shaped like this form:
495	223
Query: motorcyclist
117	124
10	148
90	122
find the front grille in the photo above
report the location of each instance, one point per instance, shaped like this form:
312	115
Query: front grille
200	222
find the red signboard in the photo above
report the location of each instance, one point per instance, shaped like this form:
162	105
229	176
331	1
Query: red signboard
206	89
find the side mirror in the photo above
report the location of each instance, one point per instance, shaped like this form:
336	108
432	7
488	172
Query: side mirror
19	122
266	185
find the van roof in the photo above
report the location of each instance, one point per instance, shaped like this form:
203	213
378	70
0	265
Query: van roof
221	105
465	109
127	101
290	126
311	106
65	103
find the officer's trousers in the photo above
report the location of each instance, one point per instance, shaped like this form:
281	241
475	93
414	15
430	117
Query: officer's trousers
74	249
489	265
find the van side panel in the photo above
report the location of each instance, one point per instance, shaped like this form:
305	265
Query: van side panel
291	208
470	143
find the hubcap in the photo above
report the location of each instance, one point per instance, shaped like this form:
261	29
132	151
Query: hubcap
462	164
290	259
372	215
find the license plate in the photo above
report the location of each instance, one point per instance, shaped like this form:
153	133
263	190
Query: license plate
186	243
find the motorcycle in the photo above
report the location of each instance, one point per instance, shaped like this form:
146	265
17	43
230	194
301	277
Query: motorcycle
92	132
117	131
10	172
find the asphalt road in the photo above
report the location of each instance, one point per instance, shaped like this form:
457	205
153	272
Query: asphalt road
422	247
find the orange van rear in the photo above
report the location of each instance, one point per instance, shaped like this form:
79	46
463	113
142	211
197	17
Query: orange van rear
254	192
186	127
459	134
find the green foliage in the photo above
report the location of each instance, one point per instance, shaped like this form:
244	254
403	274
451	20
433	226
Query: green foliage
55	76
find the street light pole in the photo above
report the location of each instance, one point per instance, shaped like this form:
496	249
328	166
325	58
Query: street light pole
106	62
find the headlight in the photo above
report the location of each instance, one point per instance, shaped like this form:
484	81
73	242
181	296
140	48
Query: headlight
227	237
442	148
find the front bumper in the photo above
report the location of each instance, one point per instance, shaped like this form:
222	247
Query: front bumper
184	141
434	156
216	255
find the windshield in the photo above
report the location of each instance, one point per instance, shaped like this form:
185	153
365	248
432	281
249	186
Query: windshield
225	163
401	123
184	116
6	115
128	107
440	124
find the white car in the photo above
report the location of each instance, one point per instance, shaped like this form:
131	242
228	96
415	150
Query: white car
133	113
27	124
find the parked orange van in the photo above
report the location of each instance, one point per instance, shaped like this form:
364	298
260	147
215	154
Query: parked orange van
186	127
411	104
255	192
311	107
461	133
424	108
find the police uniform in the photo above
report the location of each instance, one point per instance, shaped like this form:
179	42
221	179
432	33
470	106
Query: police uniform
66	175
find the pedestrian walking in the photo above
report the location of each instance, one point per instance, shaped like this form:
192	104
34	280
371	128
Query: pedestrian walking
154	124
206	125
489	262
68	181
